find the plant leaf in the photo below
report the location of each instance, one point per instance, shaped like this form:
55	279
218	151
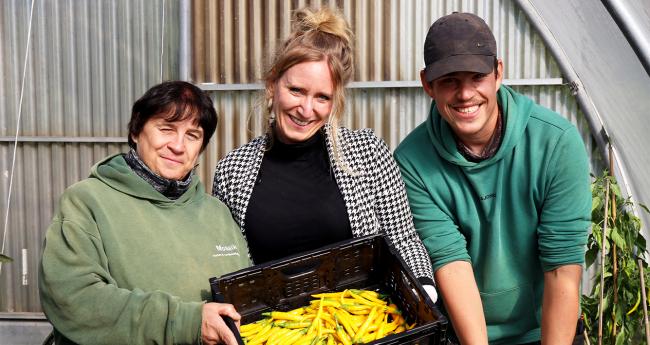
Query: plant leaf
640	242
617	238
624	234
621	338
4	258
596	203
590	256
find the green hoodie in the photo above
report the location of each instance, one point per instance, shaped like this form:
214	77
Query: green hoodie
514	216
124	264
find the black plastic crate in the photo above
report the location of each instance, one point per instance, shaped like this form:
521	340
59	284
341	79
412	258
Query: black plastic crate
361	263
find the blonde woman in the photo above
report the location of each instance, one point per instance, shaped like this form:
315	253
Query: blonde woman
308	182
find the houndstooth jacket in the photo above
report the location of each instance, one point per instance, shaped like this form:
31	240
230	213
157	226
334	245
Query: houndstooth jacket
372	190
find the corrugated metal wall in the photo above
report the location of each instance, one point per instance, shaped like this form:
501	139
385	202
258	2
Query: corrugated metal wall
233	41
90	60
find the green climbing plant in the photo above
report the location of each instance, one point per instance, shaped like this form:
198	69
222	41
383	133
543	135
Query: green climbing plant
623	318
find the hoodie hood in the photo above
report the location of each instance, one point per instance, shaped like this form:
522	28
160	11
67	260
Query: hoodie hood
116	173
516	110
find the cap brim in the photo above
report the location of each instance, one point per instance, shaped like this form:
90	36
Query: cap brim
459	63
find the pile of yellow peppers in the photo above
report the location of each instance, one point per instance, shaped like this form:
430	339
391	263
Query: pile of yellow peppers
346	317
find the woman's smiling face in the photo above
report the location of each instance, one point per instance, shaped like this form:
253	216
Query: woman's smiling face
170	149
302	101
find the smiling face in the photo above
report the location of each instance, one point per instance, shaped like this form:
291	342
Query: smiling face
170	149
468	102
302	101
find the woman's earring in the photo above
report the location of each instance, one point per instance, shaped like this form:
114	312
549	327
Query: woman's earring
269	108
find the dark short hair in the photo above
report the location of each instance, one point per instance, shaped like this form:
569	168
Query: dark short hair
176	101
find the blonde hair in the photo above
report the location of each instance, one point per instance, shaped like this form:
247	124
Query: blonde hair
316	35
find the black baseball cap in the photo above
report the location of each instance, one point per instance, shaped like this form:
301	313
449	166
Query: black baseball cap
458	42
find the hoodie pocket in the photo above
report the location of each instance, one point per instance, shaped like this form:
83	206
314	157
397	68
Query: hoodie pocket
513	308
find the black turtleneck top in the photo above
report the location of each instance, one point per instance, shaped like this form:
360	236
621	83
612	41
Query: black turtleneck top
296	204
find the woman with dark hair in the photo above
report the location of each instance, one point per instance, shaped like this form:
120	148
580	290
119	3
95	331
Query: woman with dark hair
309	182
128	255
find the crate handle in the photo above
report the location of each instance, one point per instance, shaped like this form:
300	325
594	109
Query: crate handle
304	268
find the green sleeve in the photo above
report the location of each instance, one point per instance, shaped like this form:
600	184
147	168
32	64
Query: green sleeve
566	215
83	302
440	235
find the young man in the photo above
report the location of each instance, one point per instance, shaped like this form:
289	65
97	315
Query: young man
499	189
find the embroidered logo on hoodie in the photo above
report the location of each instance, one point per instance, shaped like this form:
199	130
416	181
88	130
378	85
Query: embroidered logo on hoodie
226	250
489	196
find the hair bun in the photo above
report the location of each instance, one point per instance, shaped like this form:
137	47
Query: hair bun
324	20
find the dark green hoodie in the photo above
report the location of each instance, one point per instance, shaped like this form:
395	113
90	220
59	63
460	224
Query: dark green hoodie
514	216
124	264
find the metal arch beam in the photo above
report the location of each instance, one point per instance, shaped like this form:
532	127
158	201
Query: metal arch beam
623	16
586	103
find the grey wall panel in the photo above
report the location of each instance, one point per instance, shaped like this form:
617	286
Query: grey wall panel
42	172
239	122
23	329
234	40
88	62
